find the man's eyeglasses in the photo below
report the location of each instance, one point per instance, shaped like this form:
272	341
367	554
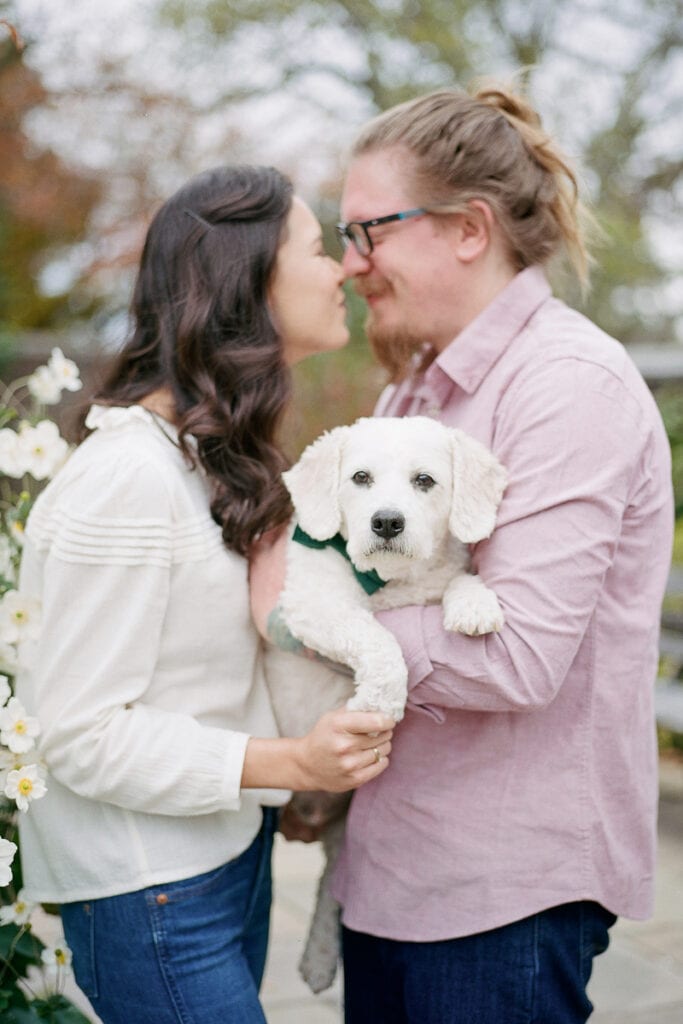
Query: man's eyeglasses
356	231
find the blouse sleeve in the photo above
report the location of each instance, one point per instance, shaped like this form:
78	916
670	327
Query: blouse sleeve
100	560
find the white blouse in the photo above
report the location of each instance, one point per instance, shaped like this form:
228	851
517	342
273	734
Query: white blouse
146	678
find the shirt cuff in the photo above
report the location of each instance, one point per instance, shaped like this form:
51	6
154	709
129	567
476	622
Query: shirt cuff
234	766
407	627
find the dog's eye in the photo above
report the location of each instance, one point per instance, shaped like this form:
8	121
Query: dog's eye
362	478
424	481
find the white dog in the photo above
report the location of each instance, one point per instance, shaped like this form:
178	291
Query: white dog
384	510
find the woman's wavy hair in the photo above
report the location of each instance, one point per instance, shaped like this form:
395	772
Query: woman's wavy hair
202	328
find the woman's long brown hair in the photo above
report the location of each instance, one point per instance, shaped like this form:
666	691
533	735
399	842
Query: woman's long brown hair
202	328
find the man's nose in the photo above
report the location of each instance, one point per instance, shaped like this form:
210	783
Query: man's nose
353	264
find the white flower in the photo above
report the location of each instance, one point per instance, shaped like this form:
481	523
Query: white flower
18	912
5	690
9	659
57	960
26	784
45	386
43	448
19	618
47	382
10	762
12	455
64	371
7	851
17	729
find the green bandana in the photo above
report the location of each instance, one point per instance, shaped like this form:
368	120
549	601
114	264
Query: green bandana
369	581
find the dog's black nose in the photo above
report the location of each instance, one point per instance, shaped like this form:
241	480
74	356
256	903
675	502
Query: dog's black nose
387	523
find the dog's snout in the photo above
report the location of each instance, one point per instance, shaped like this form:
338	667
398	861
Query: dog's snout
387	523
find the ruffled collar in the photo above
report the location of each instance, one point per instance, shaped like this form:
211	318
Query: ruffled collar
114	417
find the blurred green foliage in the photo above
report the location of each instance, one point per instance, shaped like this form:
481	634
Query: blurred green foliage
678	542
335	387
383	51
670	402
399	48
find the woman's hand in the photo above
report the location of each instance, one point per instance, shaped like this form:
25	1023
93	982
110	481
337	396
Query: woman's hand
267	566
342	751
346	749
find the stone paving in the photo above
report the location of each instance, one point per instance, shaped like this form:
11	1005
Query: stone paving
639	980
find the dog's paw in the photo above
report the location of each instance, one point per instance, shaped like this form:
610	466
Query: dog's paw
389	704
473	614
318	964
318	969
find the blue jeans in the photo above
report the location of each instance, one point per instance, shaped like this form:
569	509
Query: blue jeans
534	971
190	952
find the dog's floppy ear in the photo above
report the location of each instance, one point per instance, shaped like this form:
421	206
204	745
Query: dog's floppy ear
314	485
478	484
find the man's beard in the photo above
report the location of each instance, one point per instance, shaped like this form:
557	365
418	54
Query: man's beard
396	348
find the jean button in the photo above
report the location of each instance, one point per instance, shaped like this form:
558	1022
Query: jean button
162	898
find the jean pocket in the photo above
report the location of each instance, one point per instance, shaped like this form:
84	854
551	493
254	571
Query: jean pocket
78	920
187	888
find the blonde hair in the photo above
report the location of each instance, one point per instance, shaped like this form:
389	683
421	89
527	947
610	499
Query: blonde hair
489	144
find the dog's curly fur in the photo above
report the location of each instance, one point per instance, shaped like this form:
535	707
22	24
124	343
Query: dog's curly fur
407	496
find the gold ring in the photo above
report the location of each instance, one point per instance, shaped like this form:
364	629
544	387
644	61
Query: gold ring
378	756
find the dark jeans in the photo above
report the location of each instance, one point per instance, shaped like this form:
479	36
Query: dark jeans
190	952
533	971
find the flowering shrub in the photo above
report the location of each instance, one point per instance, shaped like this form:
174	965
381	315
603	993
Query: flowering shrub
31	451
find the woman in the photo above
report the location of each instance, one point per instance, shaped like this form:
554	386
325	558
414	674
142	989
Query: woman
156	726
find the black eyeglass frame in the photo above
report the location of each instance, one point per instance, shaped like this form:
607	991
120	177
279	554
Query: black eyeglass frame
346	235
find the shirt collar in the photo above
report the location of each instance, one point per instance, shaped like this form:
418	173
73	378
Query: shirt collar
470	356
115	417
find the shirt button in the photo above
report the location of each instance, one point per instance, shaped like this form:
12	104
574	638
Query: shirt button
162	898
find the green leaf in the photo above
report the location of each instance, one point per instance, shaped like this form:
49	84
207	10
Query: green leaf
11	997
7	415
16	1015
58	1010
20	952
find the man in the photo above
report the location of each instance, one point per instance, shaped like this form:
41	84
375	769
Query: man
482	870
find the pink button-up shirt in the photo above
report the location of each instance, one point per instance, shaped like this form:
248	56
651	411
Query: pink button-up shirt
524	774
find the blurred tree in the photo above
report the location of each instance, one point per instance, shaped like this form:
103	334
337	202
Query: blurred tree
290	81
607	79
44	205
